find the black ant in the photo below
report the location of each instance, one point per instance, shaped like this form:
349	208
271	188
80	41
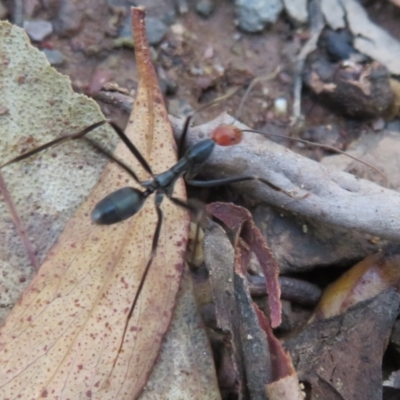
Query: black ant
128	201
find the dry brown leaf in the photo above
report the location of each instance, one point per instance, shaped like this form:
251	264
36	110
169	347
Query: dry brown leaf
46	190
63	336
241	222
373	275
284	384
185	369
253	360
245	366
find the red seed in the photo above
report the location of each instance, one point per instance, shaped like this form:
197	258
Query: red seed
227	135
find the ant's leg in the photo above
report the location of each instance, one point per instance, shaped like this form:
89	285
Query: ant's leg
198	213
111	157
131	147
183	136
81	134
237	179
54	142
156	236
193	209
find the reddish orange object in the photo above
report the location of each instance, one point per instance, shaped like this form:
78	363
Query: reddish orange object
227	135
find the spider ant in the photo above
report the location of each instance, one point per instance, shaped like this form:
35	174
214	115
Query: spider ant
128	201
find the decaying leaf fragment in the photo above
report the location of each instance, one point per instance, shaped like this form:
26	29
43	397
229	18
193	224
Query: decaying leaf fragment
250	356
240	221
340	350
341	357
62	338
285	382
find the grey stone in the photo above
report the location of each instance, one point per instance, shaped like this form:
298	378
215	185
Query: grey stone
38	30
54	57
205	7
155	29
297	10
179	107
254	15
69	20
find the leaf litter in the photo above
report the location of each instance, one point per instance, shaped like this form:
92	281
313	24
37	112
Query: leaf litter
255	362
348	185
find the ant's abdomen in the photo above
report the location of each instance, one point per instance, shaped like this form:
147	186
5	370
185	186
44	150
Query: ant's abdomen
118	206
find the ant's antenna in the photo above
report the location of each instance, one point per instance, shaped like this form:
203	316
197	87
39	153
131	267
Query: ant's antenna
322	146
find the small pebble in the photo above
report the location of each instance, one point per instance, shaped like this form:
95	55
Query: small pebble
285	78
182	5
155	29
179	107
177	29
205	7
196	71
280	107
209	52
125	37
338	44
116	3
168	85
219	68
38	30
69	20
254	15
378	124
54	57
297	10
237	36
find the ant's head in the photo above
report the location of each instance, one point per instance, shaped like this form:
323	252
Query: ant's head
227	135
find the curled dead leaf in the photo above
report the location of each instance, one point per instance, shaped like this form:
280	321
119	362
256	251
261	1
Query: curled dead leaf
373	275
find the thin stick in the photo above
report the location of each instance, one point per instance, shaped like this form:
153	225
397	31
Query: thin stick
267	78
